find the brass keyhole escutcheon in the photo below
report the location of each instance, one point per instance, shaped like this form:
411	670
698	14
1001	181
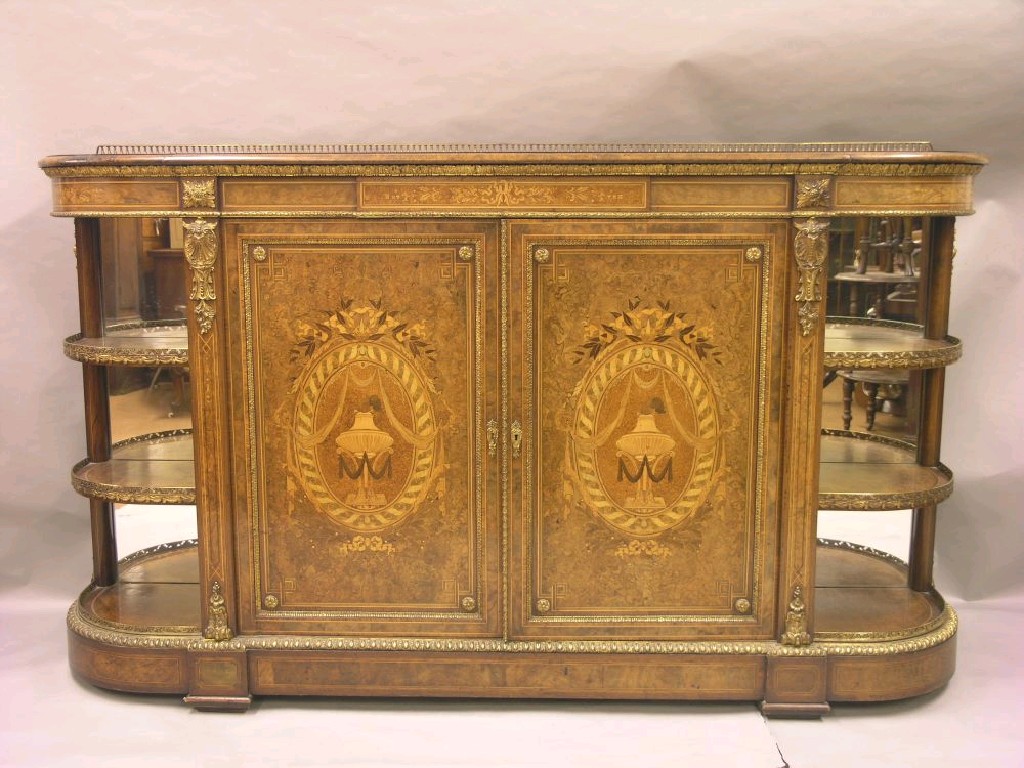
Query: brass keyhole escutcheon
517	438
492	438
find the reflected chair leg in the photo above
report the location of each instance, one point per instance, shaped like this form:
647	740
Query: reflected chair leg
848	386
872	392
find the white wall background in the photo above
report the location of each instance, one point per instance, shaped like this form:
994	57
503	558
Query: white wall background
78	73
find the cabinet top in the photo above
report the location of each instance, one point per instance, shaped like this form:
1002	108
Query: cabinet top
228	159
487	180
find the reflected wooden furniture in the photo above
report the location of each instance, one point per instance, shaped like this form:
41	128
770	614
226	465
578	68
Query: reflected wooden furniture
162	271
870	291
883	278
520	421
168	277
879	387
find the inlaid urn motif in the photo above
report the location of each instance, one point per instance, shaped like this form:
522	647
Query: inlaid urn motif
650	361
362	369
645	459
364	455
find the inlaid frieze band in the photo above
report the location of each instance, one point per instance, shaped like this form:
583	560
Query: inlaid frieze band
504	194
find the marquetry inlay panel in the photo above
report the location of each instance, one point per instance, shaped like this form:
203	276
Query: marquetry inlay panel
365	425
288	195
697	194
913	194
648	368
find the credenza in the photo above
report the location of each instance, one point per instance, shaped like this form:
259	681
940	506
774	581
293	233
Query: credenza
536	421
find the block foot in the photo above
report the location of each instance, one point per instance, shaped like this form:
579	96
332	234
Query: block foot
219	703
803	710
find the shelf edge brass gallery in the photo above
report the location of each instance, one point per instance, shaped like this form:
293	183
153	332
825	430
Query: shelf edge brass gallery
535	421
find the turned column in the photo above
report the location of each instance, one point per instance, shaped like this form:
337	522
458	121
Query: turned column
936	277
97	401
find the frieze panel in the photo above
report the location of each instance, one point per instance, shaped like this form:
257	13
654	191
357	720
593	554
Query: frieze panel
504	194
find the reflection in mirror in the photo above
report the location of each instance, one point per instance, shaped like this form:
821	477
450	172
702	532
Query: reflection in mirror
151	421
143	270
144	303
885	531
874	269
147	400
142	526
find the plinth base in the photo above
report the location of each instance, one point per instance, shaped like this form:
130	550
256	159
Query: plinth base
875	640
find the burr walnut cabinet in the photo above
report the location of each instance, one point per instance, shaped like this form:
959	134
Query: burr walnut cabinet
511	421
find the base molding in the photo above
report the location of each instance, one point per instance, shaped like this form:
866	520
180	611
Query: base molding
787	682
901	644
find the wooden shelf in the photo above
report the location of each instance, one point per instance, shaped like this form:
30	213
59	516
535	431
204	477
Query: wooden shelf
157	468
157	592
869	472
863	343
876	277
861	595
136	344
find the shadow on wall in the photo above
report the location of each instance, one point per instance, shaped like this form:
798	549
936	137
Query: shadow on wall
971	548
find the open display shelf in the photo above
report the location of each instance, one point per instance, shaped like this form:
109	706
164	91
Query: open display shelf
516	421
132	344
870	472
870	344
157	468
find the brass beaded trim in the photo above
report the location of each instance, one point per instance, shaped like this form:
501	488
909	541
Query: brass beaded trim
334	148
899	359
135	629
159	549
521	213
863	550
142	554
935	632
140	357
87	627
899	564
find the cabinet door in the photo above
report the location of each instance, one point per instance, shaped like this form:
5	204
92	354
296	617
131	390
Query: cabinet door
646	369
364	355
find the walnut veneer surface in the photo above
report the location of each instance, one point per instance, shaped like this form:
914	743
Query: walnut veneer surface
515	421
